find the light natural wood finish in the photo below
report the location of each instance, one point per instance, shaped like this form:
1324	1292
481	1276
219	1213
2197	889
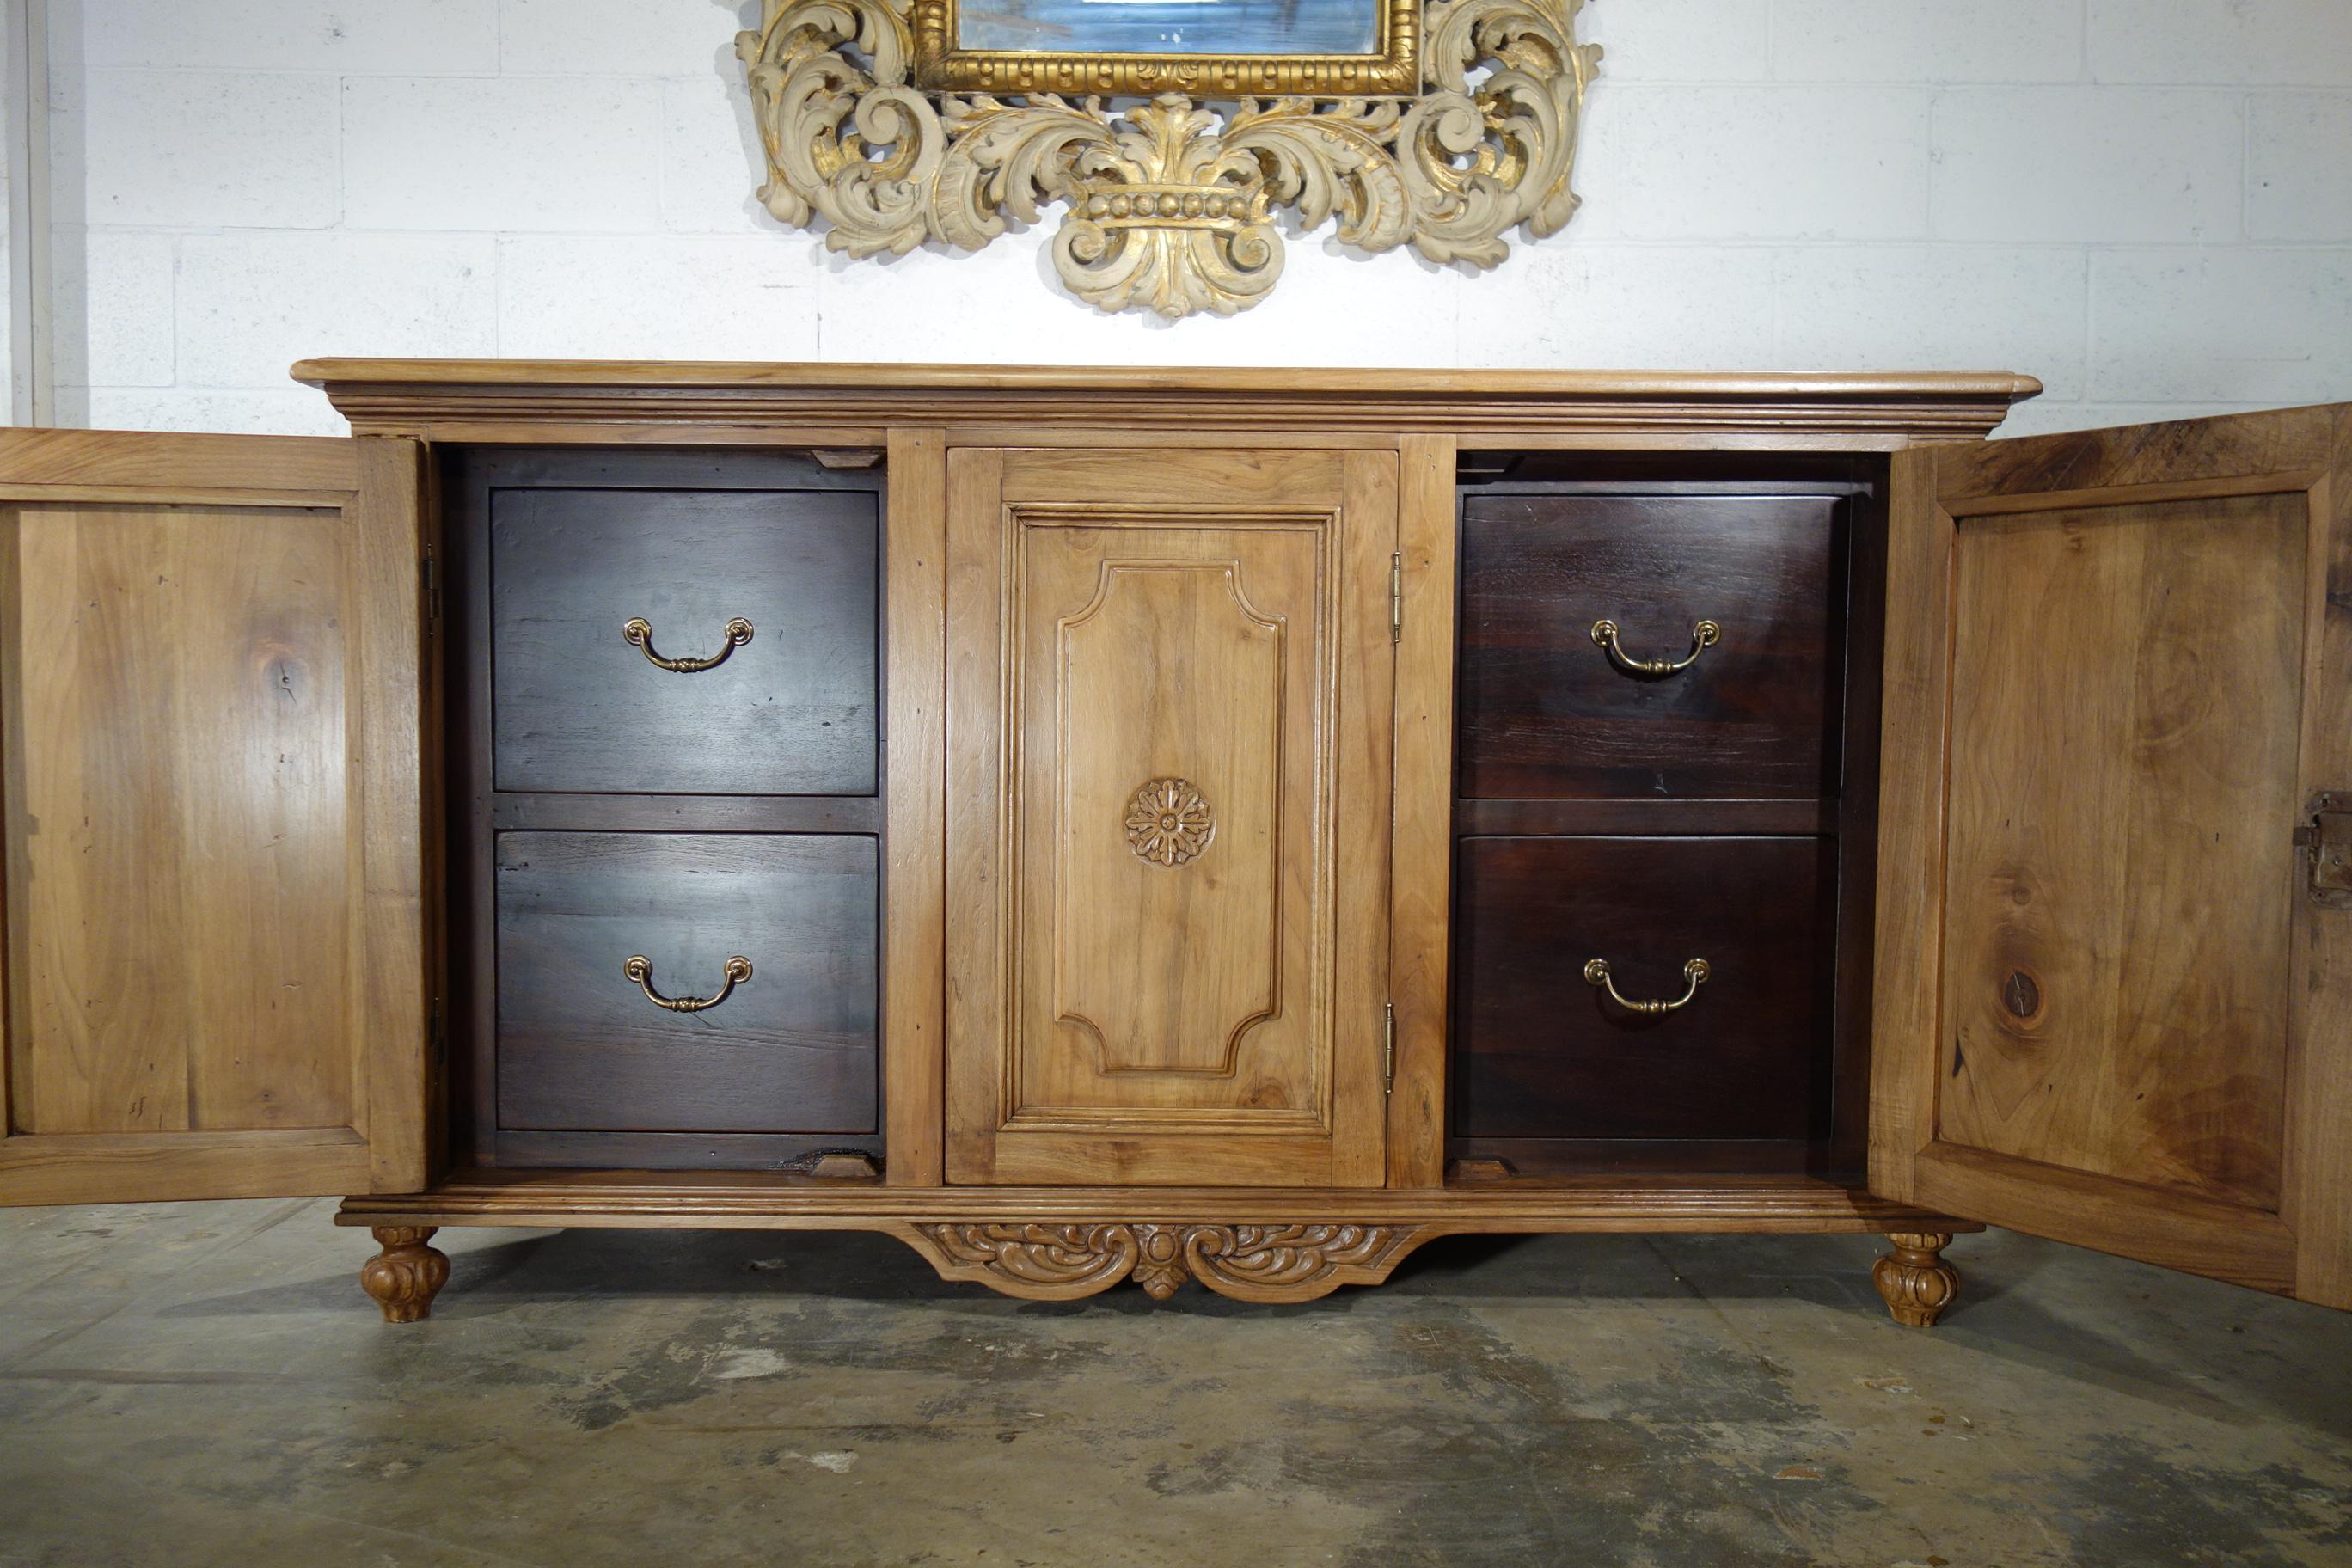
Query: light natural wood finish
396	709
782	1200
1196	683
605	401
214	850
1263	1263
976	921
1422	841
2104	1006
1914	734
915	777
406	1275
2318	1206
1913	1281
2079	876
2171	1229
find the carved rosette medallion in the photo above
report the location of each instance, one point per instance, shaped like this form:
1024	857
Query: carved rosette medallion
1168	204
1267	1263
1169	823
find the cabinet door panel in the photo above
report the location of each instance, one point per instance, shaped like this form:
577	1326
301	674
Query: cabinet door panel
2107	1010
210	719
1168	736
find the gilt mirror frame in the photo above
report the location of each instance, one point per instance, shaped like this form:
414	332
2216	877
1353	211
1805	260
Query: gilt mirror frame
946	62
1172	170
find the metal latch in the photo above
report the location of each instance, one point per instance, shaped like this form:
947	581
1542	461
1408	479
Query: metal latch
2327	844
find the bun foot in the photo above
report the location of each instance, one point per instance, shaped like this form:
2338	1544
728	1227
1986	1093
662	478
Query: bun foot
1914	1279
406	1275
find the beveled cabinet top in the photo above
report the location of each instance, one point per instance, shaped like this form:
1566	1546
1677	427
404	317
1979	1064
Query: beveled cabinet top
621	401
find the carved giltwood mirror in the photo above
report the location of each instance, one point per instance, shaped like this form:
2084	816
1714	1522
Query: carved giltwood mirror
1442	125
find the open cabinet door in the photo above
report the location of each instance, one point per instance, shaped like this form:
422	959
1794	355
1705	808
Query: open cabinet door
211	729
2113	984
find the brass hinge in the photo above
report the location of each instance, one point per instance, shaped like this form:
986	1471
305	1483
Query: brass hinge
2328	843
1396	596
431	576
1388	1047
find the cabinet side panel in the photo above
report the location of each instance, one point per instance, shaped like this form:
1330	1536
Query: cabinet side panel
2115	962
1914	736
402	964
2319	1100
186	908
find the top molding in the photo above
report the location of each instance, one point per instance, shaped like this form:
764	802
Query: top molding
613	401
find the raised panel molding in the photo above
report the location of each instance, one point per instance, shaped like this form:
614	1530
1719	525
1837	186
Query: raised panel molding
1157	645
1108	899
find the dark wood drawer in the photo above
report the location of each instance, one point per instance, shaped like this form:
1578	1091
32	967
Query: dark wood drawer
580	1046
1546	714
577	708
1540	1053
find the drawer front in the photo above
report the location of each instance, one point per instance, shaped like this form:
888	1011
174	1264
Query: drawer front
1545	714
581	1047
578	708
1539	1052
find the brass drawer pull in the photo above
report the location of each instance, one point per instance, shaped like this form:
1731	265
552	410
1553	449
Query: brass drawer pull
641	970
639	633
1696	971
1704	635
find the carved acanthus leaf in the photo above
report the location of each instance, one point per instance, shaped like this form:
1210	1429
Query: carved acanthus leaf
1168	206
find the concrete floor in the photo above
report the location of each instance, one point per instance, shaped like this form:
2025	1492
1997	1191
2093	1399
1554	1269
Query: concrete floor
205	1384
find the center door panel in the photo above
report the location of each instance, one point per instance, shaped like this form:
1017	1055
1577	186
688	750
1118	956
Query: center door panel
1169	719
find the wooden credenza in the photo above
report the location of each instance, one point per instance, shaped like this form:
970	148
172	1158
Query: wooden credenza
1233	827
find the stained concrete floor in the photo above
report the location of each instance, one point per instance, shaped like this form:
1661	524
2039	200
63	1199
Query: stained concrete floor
205	1384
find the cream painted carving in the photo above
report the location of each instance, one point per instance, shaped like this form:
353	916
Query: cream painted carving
1248	1262
1167	822
1168	205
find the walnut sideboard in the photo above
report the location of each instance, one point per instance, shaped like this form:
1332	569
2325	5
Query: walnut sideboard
1220	826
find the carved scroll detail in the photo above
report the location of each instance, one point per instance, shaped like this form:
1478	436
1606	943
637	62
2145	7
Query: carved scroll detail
1168	204
1248	1262
1044	1262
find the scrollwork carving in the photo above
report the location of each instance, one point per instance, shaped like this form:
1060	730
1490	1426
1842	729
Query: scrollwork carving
1168	204
1269	1263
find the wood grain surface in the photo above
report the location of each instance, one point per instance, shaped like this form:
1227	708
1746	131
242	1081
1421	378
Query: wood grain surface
1545	714
581	1048
795	710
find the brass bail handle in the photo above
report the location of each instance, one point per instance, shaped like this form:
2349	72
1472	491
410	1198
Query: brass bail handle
641	970
638	632
1704	635
1696	971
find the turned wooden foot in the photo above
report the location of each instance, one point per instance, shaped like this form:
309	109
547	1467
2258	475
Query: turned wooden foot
406	1275
1916	1281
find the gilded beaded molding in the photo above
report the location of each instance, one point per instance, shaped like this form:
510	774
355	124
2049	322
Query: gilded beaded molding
1169	205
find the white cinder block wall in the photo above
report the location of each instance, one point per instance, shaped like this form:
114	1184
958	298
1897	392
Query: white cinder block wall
2146	203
